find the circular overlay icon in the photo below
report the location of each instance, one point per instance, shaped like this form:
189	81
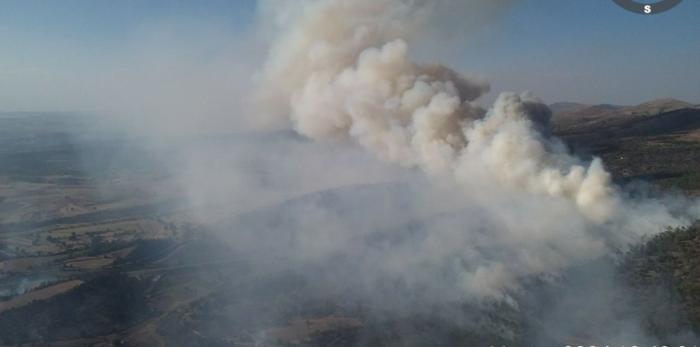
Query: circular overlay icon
647	8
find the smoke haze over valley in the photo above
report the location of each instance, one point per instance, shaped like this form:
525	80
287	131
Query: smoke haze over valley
320	178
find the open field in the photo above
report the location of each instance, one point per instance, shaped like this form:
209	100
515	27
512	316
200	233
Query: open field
39	294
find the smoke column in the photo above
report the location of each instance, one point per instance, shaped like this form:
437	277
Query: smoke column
341	70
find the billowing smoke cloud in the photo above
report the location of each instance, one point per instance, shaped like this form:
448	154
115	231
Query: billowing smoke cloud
341	70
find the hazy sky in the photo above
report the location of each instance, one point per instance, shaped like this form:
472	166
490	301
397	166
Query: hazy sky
54	54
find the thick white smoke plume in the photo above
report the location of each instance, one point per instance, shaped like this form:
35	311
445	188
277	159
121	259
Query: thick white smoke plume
342	69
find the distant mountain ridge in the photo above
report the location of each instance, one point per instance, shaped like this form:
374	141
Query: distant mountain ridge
656	141
574	118
560	107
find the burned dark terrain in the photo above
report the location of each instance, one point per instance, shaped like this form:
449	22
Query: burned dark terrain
97	248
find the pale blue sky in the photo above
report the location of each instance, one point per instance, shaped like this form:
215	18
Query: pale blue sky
562	50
